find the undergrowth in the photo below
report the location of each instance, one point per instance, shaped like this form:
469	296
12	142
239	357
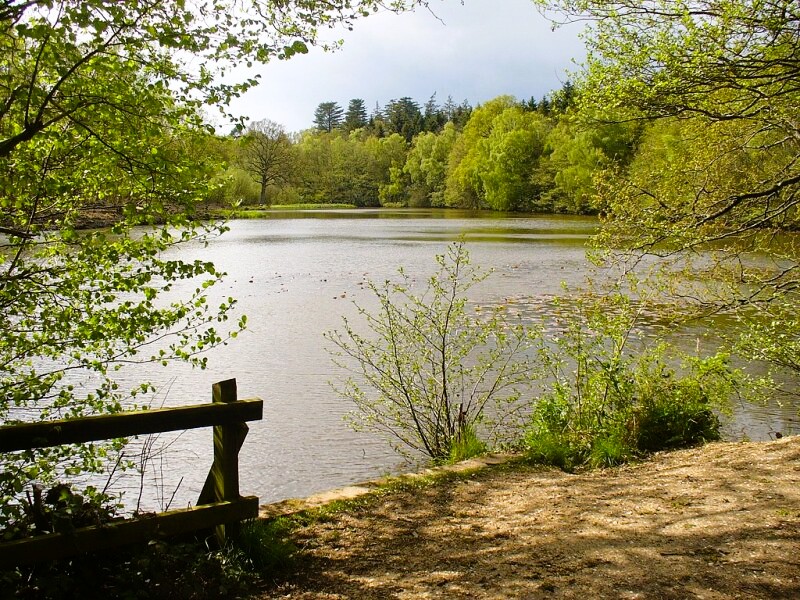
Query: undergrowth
181	570
606	404
466	445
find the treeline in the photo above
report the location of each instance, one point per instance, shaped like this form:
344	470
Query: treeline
505	155
408	118
404	116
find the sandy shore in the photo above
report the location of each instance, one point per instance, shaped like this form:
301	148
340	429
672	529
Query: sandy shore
721	521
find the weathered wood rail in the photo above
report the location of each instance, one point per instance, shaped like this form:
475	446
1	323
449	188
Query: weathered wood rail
219	506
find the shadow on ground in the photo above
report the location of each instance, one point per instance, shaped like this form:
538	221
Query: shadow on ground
722	521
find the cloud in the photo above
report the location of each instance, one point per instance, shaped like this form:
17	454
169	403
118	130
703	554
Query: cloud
476	52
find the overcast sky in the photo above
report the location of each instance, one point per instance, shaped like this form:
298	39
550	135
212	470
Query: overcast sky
475	52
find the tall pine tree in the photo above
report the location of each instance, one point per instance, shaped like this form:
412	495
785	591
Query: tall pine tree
356	115
328	116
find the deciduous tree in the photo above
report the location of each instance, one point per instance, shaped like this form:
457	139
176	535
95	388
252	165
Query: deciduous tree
430	374
100	109
721	167
426	165
267	154
492	161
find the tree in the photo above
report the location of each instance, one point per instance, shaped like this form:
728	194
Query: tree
509	156
333	167
428	372
433	118
492	161
563	98
579	151
463	186
403	116
356	115
531	104
719	79
426	165
267	154
328	116
100	114
377	122
462	114
389	155
316	177
545	106
449	109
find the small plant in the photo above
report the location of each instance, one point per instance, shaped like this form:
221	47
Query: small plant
466	445
263	546
551	448
610	450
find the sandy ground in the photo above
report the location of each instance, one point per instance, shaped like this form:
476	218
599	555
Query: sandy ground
721	521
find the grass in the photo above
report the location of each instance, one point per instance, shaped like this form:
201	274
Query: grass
309	206
263	546
465	446
258	211
388	486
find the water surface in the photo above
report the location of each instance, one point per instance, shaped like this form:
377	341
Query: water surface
296	274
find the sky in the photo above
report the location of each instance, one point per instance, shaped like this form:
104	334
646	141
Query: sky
475	52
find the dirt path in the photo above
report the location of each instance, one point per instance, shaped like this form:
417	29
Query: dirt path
722	521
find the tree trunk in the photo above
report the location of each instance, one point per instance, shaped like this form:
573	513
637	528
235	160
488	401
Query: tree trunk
263	197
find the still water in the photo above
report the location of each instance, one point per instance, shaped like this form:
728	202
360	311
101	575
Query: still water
295	276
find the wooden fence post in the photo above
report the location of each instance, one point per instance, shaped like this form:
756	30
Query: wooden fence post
228	439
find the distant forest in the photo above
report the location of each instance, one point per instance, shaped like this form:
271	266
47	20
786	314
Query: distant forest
506	155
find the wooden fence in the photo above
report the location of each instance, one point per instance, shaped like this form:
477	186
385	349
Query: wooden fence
219	506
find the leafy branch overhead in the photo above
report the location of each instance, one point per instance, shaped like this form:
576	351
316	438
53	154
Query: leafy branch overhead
713	188
53	47
101	121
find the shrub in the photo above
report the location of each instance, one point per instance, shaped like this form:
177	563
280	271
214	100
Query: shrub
605	403
161	569
235	187
59	509
678	411
154	571
429	374
286	194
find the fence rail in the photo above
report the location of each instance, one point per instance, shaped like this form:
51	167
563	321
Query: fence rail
219	506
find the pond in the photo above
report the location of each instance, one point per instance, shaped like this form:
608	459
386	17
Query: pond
296	274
